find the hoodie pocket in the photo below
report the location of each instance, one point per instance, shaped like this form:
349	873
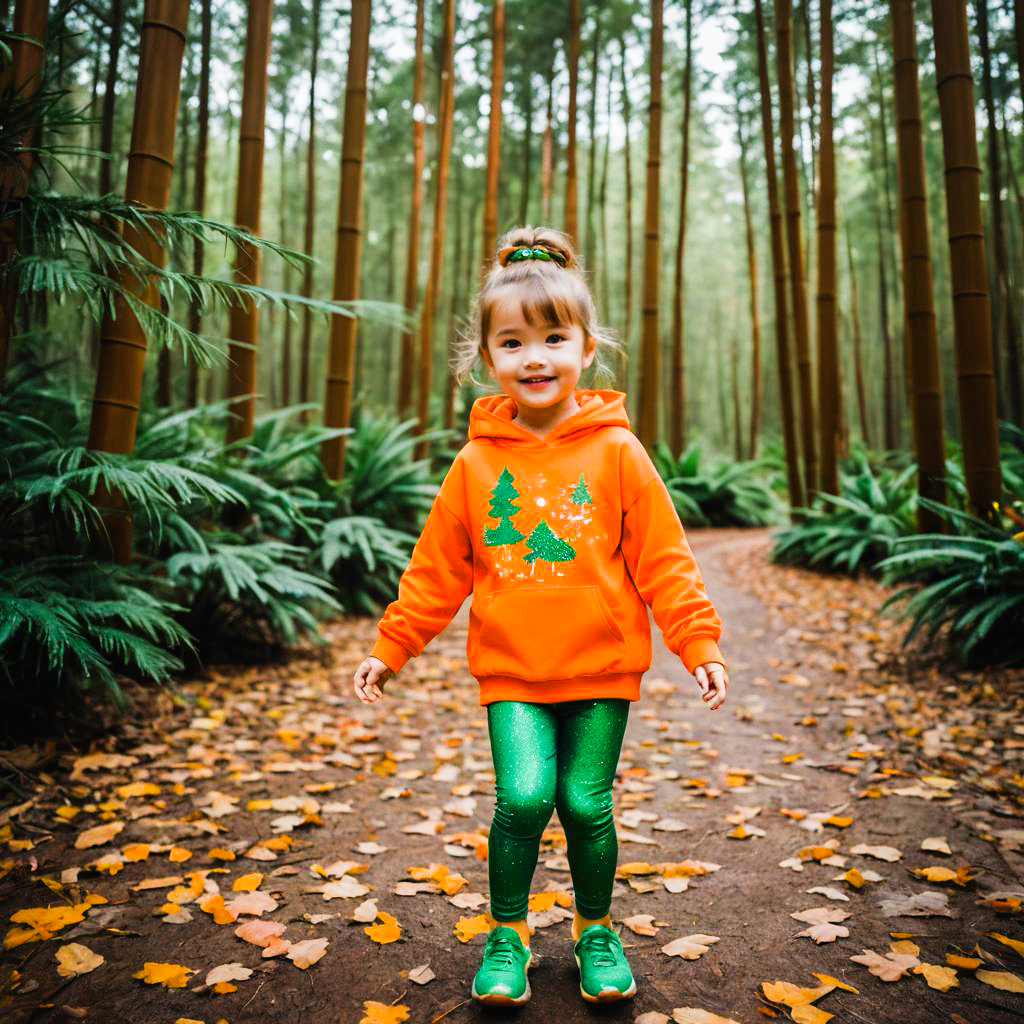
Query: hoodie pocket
541	633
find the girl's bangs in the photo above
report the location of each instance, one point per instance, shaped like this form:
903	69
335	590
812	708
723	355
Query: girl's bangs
542	301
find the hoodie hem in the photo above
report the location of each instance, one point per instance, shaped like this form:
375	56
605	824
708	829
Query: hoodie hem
550	691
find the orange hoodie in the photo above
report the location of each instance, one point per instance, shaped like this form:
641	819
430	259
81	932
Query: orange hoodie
563	541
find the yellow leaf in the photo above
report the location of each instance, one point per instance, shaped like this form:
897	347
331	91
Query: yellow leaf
855	878
468	928
168	975
1001	979
940	978
382	1013
1014	944
214	906
248	883
99	835
179	854
136	851
217	853
827	979
74	959
387	931
967	963
137	789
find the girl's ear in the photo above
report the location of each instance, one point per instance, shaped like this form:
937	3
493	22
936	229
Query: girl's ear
486	356
589	350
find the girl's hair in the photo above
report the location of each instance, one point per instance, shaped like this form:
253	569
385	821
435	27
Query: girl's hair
552	291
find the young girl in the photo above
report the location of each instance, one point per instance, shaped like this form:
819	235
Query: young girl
557	521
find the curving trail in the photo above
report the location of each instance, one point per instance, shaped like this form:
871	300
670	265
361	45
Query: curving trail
830	739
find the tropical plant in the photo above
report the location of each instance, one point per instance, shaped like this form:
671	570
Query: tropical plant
710	490
857	528
969	584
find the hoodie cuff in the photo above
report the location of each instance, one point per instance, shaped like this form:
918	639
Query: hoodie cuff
699	650
393	655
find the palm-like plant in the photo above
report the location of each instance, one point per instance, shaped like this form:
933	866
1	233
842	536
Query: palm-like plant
970	583
715	491
857	528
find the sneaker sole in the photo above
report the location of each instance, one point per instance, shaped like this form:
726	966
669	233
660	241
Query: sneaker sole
611	995
496	999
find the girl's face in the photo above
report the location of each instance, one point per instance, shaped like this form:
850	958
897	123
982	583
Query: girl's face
553	355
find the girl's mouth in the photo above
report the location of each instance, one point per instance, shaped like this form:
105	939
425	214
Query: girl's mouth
536	383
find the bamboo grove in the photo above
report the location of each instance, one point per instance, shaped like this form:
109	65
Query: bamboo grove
284	210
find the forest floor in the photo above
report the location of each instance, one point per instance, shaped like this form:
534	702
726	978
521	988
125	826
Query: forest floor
773	841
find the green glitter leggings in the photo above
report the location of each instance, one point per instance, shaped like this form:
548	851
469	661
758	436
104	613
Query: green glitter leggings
549	756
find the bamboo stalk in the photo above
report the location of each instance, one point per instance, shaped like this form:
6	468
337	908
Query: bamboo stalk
348	252
918	291
972	323
244	321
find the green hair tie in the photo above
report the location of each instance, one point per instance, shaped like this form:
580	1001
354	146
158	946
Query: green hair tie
535	254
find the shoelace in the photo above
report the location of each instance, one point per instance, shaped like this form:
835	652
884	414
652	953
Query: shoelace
502	949
602	948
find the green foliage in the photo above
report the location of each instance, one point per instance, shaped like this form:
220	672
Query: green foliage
970	583
857	528
710	490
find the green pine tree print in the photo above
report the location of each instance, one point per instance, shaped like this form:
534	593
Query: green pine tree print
502	507
547	547
581	495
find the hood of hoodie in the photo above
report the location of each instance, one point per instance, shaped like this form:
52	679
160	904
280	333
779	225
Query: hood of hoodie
492	416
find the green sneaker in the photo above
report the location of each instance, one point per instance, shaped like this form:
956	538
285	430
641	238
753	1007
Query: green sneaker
502	980
604	970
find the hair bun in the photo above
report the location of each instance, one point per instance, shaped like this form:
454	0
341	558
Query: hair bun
549	240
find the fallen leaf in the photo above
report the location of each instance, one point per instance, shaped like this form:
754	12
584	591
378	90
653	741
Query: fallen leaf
940	978
255	903
641	924
248	883
422	974
382	1013
468	928
260	933
387	931
307	952
690	947
890	967
1001	979
74	959
689	1015
168	975
228	972
99	835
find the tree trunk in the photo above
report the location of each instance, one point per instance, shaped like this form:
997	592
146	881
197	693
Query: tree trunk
407	365
1004	311
455	300
786	409
195	317
858	354
677	384
115	404
972	324
595	78
306	344
283	221
116	23
494	133
888	388
756	385
446	118
783	33
808	174
650	377
571	202
22	75
602	211
737	416
627	333
547	173
245	318
524	192
828	315
918	292
348	251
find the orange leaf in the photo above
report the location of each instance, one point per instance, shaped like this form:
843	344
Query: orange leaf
168	975
468	928
387	931
214	906
248	883
382	1013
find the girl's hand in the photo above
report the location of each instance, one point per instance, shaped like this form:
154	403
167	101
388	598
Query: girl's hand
371	675
713	681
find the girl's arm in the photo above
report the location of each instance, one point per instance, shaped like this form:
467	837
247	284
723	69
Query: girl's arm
438	579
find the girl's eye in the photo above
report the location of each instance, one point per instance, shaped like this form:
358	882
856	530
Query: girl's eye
555	337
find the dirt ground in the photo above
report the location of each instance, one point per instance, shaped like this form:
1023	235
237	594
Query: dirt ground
825	722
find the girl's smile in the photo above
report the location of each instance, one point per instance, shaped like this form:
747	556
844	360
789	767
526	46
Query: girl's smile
537	365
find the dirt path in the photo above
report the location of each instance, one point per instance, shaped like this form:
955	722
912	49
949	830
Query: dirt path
811	735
